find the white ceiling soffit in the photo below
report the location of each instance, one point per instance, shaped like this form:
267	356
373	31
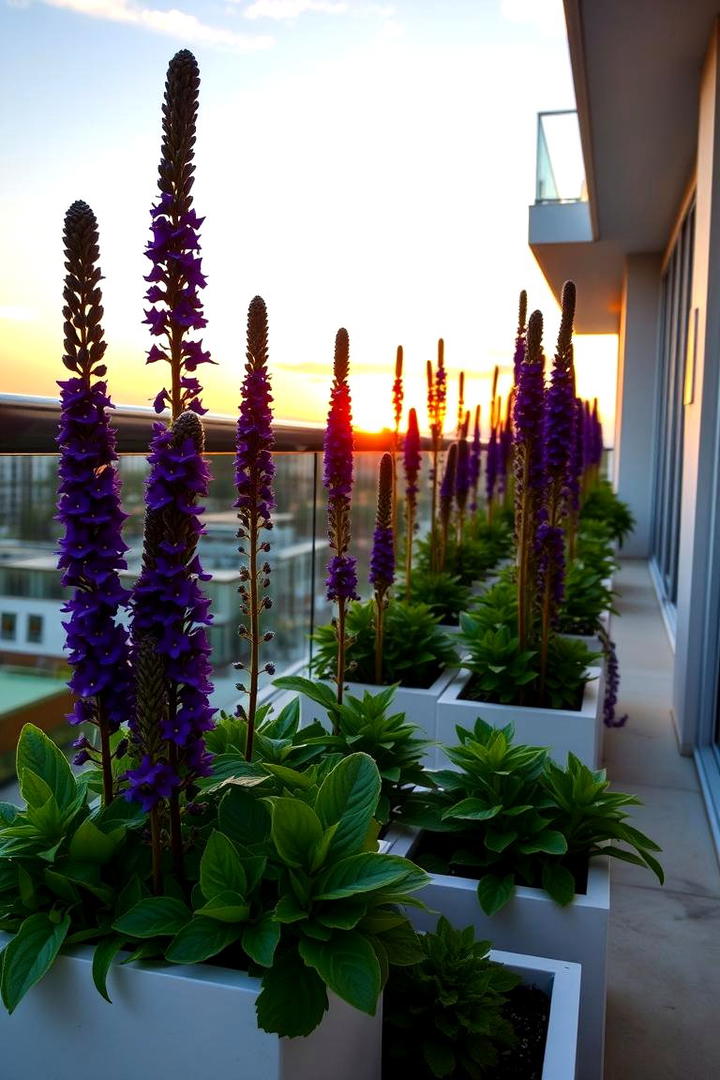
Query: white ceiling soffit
636	67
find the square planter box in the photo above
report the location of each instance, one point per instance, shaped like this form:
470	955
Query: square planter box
533	923
173	1021
561	981
561	730
418	704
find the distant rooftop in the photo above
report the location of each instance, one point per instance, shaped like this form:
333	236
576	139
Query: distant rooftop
18	689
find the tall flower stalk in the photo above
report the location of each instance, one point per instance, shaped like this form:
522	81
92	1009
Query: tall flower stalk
91	550
558	444
461	405
382	559
341	581
412	460
475	462
528	466
462	476
437	407
447	497
520	336
176	277
398	394
491	465
170	645
254	472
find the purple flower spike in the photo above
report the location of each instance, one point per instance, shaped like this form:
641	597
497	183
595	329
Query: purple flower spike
491	466
254	472
412	458
91	550
397	390
338	475
520	337
475	456
382	559
176	276
462	475
170	613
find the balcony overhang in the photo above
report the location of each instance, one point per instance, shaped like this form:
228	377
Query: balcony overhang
636	69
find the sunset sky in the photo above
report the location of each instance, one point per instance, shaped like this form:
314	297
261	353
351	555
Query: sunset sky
360	164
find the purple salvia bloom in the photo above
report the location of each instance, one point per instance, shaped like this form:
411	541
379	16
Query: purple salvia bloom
519	356
491	466
91	550
170	611
382	558
588	439
397	389
475	458
462	475
412	458
338	476
550	553
597	441
254	472
176	276
576	465
612	683
441	388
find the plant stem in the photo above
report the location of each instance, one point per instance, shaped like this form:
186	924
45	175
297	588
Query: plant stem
156	849
410	525
433	512
340	655
379	634
105	757
176	844
254	633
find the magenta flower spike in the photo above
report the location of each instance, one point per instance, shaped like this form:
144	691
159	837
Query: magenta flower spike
382	559
412	459
341	581
475	461
254	472
176	277
447	496
92	549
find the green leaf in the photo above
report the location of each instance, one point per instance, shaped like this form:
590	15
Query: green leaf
30	955
498	841
549	841
495	891
293	998
260	940
200	939
61	886
361	874
227	907
104	954
37	752
152	917
472	810
439	1057
316	691
558	882
244	818
349	797
221	868
296	830
8	813
92	845
34	790
348	965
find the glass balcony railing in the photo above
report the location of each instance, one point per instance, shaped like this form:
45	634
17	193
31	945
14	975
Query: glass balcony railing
560	171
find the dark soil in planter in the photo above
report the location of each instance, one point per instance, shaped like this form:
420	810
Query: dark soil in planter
433	851
471	692
528	1010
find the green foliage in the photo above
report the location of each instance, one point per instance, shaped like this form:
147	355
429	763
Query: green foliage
276	739
446	595
506	674
586	598
283	876
602	504
443	1015
594	547
415	648
472	560
362	725
516	817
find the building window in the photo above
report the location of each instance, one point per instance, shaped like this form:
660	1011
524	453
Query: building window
674	320
8	625
35	629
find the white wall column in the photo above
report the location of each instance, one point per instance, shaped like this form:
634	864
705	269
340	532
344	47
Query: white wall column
637	395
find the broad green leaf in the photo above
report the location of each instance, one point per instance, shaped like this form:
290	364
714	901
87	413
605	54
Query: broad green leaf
316	691
494	892
260	940
472	810
30	955
47	818
296	831
200	939
558	882
349	966
360	874
8	813
92	845
402	945
61	886
104	954
8	876
227	907
221	868
497	841
154	916
549	841
289	909
33	789
37	752
341	916
293	998
243	817
439	1057
349	797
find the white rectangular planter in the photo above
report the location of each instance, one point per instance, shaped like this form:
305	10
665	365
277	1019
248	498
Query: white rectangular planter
418	704
561	981
563	731
533	923
172	1022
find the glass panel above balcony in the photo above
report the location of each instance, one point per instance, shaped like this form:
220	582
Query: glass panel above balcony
560	173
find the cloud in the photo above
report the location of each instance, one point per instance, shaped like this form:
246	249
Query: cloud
172	23
292	9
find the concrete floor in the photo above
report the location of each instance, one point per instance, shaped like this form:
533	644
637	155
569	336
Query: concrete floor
664	948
